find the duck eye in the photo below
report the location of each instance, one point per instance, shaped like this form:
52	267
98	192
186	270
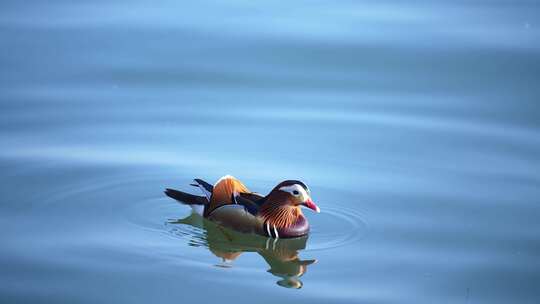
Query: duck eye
295	192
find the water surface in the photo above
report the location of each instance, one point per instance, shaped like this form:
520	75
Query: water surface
416	126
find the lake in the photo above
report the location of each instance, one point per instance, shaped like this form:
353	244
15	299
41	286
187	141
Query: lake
415	124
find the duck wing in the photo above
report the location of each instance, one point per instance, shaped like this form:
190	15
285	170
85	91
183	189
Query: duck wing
253	196
251	206
223	193
205	187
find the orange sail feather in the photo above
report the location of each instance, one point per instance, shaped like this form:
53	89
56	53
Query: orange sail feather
223	191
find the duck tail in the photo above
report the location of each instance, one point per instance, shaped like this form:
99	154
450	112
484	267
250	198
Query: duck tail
196	202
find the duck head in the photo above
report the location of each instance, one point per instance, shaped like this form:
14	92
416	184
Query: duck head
282	204
296	194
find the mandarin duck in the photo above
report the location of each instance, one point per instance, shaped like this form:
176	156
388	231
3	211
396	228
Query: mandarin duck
230	204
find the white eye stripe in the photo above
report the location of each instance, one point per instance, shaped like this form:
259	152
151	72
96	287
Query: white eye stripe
292	188
307	189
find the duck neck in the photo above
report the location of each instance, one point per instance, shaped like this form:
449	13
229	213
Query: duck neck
282	216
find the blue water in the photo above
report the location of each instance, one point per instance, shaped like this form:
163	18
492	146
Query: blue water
415	124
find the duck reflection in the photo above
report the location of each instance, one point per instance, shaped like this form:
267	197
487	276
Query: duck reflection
280	254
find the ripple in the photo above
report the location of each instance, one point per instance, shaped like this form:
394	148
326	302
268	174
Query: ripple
347	227
146	208
132	209
335	227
